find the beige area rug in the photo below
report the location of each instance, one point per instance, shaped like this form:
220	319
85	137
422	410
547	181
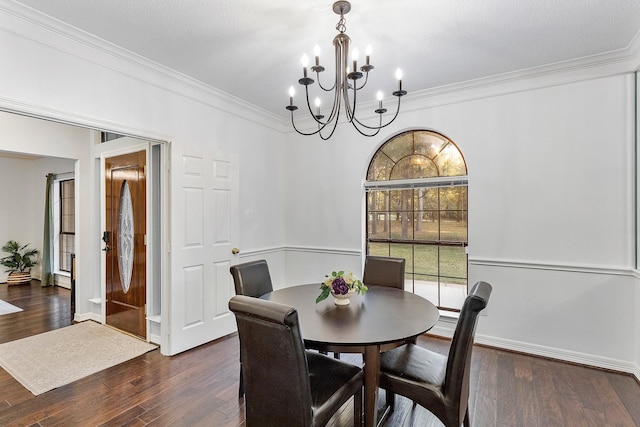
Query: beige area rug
52	359
6	308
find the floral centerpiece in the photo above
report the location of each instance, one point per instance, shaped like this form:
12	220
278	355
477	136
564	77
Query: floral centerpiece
342	286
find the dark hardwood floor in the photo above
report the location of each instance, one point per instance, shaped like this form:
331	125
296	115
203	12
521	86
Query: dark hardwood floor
199	387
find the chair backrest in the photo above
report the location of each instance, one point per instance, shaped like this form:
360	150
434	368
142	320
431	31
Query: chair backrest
276	375
456	383
384	271
252	278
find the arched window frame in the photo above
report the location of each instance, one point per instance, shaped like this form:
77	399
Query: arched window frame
413	167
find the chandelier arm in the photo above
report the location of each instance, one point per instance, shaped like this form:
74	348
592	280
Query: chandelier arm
306	88
349	111
335	108
335	125
322	87
300	132
320	128
355	124
331	115
366	79
381	125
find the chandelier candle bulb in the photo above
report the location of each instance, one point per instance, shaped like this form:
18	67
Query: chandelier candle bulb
368	54
316	53
305	62
354	57
399	77
291	107
380	110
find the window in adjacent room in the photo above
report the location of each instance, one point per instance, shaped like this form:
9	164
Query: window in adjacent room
67	224
417	209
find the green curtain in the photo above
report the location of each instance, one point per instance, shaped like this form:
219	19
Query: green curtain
47	244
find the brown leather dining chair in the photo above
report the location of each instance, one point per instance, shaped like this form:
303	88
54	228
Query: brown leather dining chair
285	384
436	382
250	279
383	271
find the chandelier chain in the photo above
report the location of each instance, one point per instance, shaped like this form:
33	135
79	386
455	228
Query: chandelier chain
341	26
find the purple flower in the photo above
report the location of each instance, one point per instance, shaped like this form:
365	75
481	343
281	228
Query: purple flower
339	286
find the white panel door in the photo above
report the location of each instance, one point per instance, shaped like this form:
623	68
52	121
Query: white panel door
204	229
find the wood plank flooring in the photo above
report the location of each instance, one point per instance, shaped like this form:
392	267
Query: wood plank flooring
199	387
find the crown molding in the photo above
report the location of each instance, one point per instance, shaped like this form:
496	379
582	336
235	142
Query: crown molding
30	24
33	25
623	61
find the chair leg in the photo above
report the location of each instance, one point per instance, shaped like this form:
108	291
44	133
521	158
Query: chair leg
336	355
357	408
390	398
467	420
241	381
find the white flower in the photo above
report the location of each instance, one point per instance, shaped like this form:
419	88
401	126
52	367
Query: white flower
348	278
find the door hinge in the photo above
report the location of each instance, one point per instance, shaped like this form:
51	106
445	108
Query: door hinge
145	240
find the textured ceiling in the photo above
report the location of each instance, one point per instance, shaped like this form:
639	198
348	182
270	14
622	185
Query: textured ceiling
252	48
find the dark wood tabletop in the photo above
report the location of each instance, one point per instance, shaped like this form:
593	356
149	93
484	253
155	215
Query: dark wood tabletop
384	315
378	321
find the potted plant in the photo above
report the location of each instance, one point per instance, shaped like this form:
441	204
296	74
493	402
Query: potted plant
19	262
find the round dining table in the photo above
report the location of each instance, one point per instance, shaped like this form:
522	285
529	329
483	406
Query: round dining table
381	319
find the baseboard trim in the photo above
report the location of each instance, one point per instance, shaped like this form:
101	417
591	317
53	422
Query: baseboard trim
81	317
155	339
563	355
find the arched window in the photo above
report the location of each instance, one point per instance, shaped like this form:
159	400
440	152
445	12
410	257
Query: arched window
417	209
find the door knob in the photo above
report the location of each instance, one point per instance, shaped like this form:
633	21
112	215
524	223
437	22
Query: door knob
235	251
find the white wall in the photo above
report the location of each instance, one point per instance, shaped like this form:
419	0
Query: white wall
551	211
23	188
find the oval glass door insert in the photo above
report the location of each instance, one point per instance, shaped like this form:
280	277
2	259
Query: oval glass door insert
125	237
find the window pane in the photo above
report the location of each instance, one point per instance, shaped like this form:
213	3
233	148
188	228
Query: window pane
450	162
378	224
380	169
379	249
414	166
428	143
453	264
427	223
67	206
67	224
66	249
399	147
453	214
426	262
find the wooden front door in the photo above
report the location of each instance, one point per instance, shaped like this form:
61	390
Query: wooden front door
124	238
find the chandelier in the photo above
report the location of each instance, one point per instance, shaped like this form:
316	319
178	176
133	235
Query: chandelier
345	86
